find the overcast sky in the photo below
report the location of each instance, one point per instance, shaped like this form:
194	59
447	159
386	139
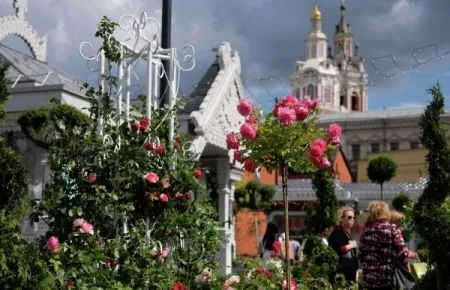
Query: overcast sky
270	37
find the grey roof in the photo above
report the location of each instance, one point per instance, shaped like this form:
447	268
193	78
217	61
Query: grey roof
195	99
33	70
301	189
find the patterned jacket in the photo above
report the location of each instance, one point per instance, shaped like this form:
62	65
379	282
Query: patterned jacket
381	244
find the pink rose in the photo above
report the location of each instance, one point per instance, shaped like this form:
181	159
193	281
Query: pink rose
165	252
86	228
166	184
248	131
151	177
160	149
301	112
187	195
244	107
324	163
178	194
334	132
286	116
163	197
143	124
53	244
307	101
198	173
232	141
292	287
134	126
318	147
290	101
91	178
249	165
238	156
315	104
149	146
78	222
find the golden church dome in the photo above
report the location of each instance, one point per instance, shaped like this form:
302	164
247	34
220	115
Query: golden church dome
316	15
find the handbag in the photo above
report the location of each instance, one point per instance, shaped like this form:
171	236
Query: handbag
403	279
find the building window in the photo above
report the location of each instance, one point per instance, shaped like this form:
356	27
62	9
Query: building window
414	145
355	102
394	146
356	151
342	101
327	94
297	93
313	51
311	92
375	147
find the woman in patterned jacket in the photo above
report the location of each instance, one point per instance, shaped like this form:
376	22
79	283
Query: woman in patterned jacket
381	248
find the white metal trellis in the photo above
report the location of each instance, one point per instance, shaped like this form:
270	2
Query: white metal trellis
141	43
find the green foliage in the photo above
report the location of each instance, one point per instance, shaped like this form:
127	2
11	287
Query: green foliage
45	126
401	201
321	259
254	195
380	170
323	213
4	92
432	212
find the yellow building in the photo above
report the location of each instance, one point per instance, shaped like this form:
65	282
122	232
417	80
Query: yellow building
411	165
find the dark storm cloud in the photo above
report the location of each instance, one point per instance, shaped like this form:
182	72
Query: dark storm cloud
269	34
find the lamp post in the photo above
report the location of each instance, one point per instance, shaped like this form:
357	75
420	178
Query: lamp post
166	29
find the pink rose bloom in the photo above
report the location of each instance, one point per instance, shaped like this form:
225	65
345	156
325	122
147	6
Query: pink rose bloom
238	156
165	252
151	177
334	132
248	131
315	104
276	108
315	160
301	112
78	222
187	195
163	197
293	285
307	101
318	147
232	141
244	107
198	173
286	116
324	163
166	184
86	228
149	146
91	178
289	101
134	126
143	124
178	194
53	244
160	149
252	120
249	165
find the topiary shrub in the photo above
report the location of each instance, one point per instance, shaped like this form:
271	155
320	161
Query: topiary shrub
401	200
432	212
253	195
380	170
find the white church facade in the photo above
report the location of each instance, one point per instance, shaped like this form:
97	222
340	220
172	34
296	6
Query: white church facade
334	76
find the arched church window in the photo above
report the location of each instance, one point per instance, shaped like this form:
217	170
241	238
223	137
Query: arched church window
311	92
297	93
327	94
355	102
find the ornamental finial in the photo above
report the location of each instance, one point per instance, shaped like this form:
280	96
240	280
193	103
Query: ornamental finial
21	7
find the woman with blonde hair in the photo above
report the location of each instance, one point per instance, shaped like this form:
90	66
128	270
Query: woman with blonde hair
343	244
381	249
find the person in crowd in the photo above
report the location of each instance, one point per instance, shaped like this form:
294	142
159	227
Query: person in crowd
294	248
266	243
381	249
346	248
